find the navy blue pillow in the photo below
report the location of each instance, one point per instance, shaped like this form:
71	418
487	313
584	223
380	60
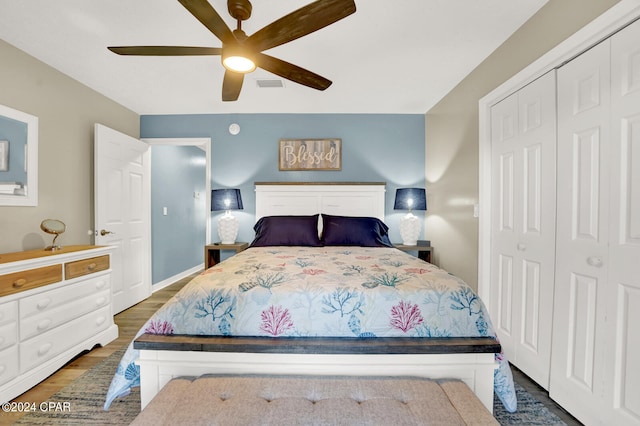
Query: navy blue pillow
354	231
287	231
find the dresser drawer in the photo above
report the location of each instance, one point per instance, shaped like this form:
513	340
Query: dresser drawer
86	266
30	278
52	299
35	351
45	321
8	335
8	312
8	364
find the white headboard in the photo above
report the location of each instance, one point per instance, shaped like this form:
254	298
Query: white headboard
340	198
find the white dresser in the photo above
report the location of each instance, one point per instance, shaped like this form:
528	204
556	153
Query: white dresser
53	305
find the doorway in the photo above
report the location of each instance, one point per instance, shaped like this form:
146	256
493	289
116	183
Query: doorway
180	198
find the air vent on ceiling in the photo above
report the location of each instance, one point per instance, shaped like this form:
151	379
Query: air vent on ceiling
262	83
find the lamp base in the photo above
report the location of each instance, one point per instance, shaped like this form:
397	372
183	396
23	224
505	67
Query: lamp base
228	228
410	229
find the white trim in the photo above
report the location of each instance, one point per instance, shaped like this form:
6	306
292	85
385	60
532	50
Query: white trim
599	29
177	277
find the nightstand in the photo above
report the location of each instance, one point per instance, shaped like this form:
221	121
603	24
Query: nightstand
424	252
212	252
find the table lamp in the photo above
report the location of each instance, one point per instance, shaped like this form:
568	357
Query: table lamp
410	199
227	200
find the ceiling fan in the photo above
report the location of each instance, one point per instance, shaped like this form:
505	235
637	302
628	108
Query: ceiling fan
240	53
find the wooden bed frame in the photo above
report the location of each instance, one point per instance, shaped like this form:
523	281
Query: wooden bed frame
470	359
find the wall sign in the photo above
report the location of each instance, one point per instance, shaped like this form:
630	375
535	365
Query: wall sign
310	154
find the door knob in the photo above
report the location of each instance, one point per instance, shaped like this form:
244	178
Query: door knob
594	261
104	232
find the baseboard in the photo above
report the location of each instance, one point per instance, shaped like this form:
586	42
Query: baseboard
171	280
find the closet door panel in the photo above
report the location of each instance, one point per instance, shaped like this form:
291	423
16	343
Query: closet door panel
533	175
535	218
585	179
579	333
622	391
530	331
504	125
523	230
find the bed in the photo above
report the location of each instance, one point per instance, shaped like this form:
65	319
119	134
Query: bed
321	291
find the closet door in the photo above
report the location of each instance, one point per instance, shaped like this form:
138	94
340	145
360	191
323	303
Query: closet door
523	225
622	352
582	259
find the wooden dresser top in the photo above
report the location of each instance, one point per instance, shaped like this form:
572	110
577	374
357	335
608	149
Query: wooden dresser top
34	254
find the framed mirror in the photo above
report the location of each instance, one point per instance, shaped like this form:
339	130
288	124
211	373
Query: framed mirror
18	158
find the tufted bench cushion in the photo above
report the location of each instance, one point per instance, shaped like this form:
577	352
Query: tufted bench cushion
314	400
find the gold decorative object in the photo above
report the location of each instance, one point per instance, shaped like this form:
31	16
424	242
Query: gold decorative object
54	227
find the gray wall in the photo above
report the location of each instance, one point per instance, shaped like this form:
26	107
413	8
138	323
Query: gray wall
452	131
66	111
177	238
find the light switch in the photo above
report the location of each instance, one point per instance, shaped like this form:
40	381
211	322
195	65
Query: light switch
164	211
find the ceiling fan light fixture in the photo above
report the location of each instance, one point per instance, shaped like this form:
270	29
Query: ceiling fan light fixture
236	59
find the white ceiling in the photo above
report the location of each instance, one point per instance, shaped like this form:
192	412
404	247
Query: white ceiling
391	56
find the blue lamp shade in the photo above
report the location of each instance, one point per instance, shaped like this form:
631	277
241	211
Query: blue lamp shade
226	199
410	199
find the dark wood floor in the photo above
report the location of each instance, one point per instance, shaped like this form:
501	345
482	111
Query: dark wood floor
543	396
130	321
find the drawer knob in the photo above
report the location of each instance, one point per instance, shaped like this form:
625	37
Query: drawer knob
100	301
91	266
43	303
100	284
44	349
19	282
100	321
43	325
2	369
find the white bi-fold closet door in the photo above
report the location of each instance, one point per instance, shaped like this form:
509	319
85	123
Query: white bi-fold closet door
523	144
595	373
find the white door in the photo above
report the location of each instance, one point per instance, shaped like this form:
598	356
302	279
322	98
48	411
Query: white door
579	336
122	212
523	135
622	390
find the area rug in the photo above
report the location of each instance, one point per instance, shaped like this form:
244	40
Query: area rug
86	398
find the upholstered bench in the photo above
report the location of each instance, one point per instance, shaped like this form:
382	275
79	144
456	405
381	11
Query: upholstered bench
314	400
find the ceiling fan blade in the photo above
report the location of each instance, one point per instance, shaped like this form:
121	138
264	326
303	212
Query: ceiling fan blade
207	15
165	50
291	72
301	22
231	85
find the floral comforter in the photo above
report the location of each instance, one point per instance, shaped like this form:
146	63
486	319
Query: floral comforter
321	291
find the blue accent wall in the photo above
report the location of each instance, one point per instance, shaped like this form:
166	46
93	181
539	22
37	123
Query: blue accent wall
177	238
15	132
375	148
